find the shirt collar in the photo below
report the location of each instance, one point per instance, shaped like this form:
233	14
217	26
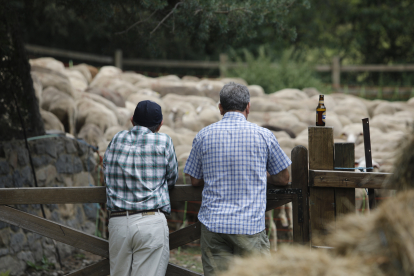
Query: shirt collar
234	116
140	130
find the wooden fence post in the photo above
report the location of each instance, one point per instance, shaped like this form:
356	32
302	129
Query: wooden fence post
344	197
300	203
336	73
118	59
321	157
223	65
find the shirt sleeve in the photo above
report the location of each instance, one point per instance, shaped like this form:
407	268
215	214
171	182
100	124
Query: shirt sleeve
277	160
193	166
172	166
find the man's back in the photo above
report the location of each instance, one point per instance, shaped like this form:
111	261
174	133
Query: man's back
234	156
139	166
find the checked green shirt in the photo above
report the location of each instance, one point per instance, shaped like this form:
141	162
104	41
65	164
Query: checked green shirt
139	167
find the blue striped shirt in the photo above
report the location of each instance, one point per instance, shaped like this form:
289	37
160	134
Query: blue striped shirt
232	156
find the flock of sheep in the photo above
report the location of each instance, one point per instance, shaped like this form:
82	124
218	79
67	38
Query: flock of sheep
95	104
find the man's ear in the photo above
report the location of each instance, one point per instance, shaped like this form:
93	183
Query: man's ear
221	109
248	109
158	128
132	121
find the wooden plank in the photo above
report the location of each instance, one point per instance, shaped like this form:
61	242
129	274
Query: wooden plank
339	179
63	195
273	204
67	54
378	68
186	193
320	146
344	198
322	200
52	195
193	232
56	231
101	268
175	270
336	72
183	236
191	193
172	63
301	203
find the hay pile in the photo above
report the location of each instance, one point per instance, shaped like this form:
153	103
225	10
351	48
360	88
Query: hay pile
384	238
292	260
381	243
403	177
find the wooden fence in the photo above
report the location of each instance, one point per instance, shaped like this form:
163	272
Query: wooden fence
317	201
223	64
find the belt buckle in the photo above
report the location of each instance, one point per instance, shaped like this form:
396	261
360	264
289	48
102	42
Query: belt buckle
148	214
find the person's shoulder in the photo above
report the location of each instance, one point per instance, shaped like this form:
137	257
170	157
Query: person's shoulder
208	129
121	135
261	130
160	136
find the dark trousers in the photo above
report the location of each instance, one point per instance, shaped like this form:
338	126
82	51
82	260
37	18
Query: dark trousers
218	249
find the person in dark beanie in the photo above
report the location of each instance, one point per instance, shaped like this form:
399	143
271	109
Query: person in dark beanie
140	167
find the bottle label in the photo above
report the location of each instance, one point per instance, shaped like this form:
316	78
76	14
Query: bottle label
323	116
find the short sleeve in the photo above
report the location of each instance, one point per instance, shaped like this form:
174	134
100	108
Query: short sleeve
194	166
277	160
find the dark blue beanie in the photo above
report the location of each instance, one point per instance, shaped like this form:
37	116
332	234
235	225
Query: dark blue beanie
148	114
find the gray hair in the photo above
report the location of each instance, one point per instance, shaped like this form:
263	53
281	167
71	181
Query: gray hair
153	128
234	97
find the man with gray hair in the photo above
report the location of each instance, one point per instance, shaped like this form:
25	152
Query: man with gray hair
232	160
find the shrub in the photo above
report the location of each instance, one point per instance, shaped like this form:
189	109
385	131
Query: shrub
290	72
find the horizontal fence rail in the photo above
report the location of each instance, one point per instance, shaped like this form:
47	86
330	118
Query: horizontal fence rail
64	195
335	66
340	179
68	54
56	231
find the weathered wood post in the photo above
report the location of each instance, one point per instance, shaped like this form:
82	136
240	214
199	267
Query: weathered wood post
223	65
321	157
336	73
118	59
300	203
344	197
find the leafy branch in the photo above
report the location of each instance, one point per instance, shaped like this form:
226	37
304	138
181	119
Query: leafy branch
165	18
135	24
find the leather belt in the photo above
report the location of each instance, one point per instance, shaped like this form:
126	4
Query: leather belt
130	213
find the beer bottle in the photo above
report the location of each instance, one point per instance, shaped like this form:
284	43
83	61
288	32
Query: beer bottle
320	112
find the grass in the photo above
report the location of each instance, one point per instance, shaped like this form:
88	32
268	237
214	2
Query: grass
189	258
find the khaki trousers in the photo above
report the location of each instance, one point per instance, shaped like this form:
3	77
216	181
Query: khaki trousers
139	245
217	250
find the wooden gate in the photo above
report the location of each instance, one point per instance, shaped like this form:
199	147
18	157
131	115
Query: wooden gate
276	197
330	193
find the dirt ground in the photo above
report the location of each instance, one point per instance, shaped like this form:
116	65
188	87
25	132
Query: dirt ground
70	264
188	257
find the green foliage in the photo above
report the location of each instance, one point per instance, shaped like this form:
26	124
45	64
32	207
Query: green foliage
185	29
5	273
80	256
291	71
44	265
